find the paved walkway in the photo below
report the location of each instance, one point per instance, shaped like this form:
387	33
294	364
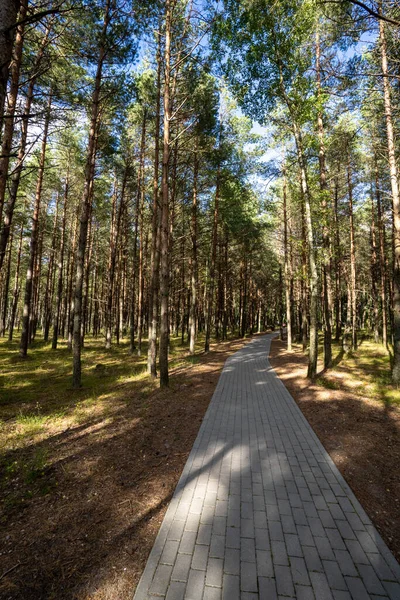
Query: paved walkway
260	510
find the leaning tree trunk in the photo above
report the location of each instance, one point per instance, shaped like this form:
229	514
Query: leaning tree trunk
33	243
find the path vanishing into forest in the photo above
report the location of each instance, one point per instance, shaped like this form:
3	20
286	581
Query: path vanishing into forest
260	510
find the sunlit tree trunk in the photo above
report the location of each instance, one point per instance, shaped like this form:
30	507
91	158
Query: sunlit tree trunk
85	207
164	245
395	201
34	238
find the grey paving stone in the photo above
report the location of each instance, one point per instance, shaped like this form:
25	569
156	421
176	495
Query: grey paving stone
267	588
200	558
321	586
176	590
214	572
260	510
161	580
212	593
248	577
181	569
299	571
195	585
232	561
284	583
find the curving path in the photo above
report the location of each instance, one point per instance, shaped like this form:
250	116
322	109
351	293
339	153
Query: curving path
260	510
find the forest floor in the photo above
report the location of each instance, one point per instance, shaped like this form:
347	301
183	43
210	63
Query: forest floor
86	476
355	411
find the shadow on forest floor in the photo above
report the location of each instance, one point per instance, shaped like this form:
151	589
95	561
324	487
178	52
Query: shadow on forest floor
86	475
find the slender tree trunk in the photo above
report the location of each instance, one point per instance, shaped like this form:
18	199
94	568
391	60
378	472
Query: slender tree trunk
139	193
60	266
374	274
33	243
48	295
8	132
18	168
8	19
352	260
85	208
210	297
338	266
395	201
164	274
382	263
313	350
325	231
287	266
194	266
16	287
155	235
6	289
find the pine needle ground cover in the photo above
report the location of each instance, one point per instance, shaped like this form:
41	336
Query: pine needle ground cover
86	475
355	411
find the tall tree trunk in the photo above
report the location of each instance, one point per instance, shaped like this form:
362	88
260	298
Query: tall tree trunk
8	19
85	207
164	246
6	289
313	350
210	296
34	238
139	194
353	298
8	132
338	265
287	266
194	266
382	261
395	201
325	230
374	274
155	235
16	286
18	168
48	295
60	266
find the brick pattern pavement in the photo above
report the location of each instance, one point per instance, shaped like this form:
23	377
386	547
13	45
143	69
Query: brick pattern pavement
260	510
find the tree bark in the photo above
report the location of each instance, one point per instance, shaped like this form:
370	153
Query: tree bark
85	207
164	245
25	336
395	201
194	266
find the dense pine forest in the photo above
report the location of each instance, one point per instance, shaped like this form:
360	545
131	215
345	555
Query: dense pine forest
138	200
179	173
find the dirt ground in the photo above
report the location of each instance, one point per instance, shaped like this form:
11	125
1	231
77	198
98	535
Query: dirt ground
361	435
90	536
111	480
